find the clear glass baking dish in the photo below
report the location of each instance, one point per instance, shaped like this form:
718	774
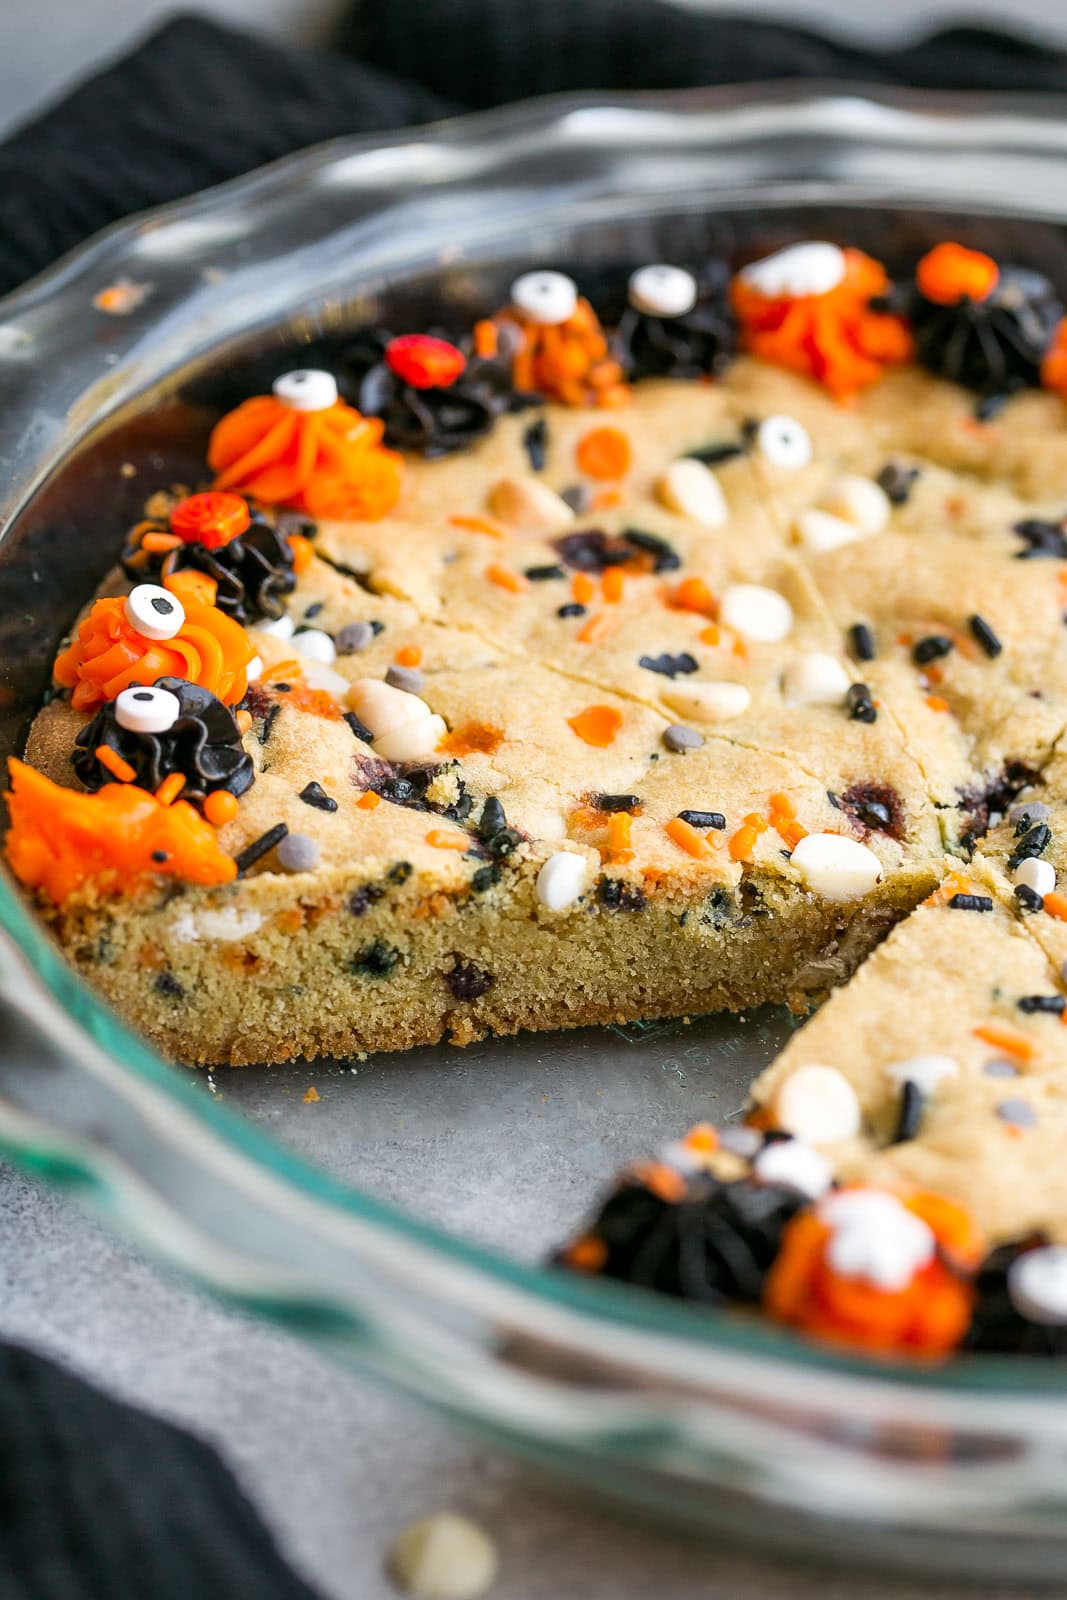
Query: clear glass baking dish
712	1418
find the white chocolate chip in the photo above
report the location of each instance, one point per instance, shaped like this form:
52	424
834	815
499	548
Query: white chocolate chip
153	612
708	702
925	1072
858	500
545	297
316	645
756	613
820	530
812	267
226	925
783	442
316	676
561	880
412	741
792	1164
282	627
688	488
143	710
876	1238
662	291
530	505
1038	875
309	389
443	1557
254	669
1037	1284
817	1104
835	867
815	679
383	709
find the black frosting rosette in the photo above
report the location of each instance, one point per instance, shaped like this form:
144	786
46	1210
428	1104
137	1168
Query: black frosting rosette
653	342
434	397
1004	1320
171	726
252	569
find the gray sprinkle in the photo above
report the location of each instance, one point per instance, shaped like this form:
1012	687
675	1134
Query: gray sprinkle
410	679
579	497
1000	1069
741	1141
679	738
1018	1113
353	637
298	852
1036	810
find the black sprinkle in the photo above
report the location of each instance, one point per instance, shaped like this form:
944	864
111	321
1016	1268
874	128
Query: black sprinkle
313	794
910	1115
377	960
1054	1003
896	482
971	902
400	872
985	636
669	666
1033	843
932	648
571	609
467	981
664	557
859	705
1028	898
543	574
861	642
535	443
703	819
615	802
712	454
261	846
485	877
268	722
360	729
1042	540
591	550
493	819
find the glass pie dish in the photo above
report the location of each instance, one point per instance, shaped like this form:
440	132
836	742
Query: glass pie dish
408	1242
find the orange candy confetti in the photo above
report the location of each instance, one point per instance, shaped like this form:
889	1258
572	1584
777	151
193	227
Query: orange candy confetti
950	273
369	800
597	725
835	338
604	453
60	840
329	463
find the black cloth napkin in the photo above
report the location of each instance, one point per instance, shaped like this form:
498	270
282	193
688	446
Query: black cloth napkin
99	1501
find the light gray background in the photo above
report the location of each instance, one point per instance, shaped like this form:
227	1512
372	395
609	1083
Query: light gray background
337	1465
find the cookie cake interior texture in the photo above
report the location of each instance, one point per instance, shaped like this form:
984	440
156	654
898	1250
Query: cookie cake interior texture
562	669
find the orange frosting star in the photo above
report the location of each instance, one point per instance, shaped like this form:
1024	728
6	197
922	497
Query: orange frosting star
329	463
108	654
835	338
60	839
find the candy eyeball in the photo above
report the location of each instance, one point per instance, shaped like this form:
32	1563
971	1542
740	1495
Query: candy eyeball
308	389
153	612
813	267
545	297
663	291
145	710
784	443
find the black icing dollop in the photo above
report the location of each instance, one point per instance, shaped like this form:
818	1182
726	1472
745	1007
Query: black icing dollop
253	572
692	346
429	422
993	346
204	745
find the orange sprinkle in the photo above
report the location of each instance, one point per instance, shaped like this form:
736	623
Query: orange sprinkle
781	806
598	627
472	738
582	588
597	725
605	500
693	594
409	655
368	800
158	543
506	578
486	341
479	525
1007	1039
604	453
791	833
302	552
114	763
620	826
936	703
170	788
243	720
710	634
220	807
702	1137
661	1179
587	1254
686	837
445	839
950	273
1056	905
311	1095
611	585
743	842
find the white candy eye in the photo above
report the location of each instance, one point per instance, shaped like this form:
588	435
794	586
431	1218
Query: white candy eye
784	443
153	612
547	297
309	389
756	613
141	710
663	291
1037	1284
814	267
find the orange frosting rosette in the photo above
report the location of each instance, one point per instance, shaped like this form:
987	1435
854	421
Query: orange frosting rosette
108	653
835	337
568	361
1054	366
326	459
927	1316
60	839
